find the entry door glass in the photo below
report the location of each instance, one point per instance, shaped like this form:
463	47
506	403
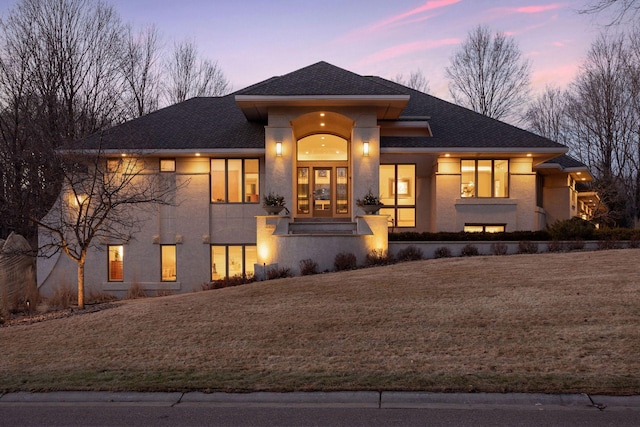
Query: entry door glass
322	192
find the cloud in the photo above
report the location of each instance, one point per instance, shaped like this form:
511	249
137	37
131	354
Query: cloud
417	14
538	8
407	48
501	12
429	5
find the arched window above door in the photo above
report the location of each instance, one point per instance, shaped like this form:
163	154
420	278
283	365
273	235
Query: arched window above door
322	147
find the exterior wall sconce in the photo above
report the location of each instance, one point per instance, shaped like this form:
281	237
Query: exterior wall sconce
279	148
365	149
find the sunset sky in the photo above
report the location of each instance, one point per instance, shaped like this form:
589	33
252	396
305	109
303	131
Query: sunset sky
256	39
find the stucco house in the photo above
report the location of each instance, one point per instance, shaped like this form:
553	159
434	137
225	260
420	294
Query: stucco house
322	137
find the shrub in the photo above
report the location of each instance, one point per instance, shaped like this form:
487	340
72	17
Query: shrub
227	282
64	296
527	247
444	236
308	267
410	253
378	257
634	241
469	250
499	248
610	243
136	291
442	252
279	273
345	261
98	297
555	246
576	244
571	229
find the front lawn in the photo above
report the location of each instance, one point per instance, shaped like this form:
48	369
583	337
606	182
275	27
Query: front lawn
556	323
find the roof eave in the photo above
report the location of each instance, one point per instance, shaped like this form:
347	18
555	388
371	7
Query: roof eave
256	107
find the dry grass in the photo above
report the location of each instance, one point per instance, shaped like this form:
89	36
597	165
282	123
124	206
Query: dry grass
525	323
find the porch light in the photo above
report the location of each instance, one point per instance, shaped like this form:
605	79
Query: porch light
365	149
278	148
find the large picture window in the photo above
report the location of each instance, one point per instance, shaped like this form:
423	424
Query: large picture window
232	260
398	194
484	178
235	180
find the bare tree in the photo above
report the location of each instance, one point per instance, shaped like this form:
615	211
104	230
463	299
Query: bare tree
58	82
102	201
141	71
546	115
489	75
621	10
416	81
603	124
188	76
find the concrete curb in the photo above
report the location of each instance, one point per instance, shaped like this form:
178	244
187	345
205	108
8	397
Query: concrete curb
356	399
430	400
90	397
359	399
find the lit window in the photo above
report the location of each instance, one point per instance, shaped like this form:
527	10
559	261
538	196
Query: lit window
484	178
484	228
116	259
323	146
167	165
235	180
168	262
398	194
232	260
113	165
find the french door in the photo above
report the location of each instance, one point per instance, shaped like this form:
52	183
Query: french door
322	191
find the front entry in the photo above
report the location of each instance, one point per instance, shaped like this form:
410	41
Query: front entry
322	197
322	191
322	167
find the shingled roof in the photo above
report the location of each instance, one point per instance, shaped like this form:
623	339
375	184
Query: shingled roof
319	79
219	123
198	123
457	127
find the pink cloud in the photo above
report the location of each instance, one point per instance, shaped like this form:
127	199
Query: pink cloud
538	8
429	5
560	75
407	48
410	17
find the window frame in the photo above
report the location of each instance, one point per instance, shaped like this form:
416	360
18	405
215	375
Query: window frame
165	160
493	178
484	227
109	263
162	263
396	207
243	198
226	258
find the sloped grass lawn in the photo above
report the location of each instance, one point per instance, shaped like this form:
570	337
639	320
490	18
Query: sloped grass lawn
561	323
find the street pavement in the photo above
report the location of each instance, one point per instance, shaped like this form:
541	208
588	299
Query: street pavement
368	408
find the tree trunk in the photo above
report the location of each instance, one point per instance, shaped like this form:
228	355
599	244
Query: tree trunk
81	283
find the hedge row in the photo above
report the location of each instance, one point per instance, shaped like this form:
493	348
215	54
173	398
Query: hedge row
571	229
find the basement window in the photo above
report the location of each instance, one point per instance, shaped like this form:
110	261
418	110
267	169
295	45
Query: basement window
484	228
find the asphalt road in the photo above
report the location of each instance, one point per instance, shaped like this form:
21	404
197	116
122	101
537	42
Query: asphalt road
315	409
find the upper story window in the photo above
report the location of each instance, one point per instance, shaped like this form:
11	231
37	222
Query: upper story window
484	178
323	146
167	165
398	193
235	180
